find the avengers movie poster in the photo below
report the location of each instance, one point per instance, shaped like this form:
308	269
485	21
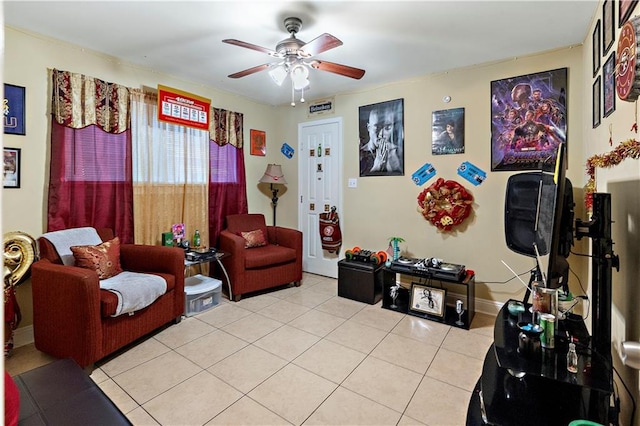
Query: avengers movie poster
528	120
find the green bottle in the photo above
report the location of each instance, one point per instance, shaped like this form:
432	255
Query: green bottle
196	239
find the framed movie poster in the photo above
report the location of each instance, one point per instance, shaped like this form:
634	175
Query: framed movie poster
258	142
625	8
427	300
595	103
14	112
11	175
595	48
528	119
608	26
381	130
447	131
609	85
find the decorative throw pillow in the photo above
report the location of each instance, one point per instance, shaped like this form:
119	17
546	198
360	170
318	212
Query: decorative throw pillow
103	258
254	238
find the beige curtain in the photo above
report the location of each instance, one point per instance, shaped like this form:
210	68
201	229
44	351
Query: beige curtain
79	101
170	174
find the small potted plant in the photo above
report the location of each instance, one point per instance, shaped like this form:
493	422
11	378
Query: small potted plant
395	243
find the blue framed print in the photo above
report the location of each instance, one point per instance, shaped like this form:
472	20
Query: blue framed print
14	109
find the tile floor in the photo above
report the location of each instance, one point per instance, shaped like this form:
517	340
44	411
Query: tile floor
298	355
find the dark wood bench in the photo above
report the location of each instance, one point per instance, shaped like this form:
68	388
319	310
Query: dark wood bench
61	393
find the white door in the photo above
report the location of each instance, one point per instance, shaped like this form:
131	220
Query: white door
320	174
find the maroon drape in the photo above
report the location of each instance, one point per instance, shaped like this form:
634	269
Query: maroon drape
90	180
227	187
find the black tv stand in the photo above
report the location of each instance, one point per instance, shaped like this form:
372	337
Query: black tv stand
536	391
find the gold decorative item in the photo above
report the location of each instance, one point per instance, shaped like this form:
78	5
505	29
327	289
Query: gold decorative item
20	251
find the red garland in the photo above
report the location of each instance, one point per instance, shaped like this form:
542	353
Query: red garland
627	149
445	204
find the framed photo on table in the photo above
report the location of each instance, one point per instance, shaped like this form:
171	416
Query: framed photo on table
11	176
427	300
609	85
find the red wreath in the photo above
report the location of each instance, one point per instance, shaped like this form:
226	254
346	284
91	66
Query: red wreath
445	204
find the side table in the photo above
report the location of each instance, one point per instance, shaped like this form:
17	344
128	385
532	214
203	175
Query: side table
219	255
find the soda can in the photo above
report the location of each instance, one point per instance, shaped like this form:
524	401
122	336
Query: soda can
548	324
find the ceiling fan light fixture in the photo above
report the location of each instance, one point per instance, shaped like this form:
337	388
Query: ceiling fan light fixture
299	76
278	75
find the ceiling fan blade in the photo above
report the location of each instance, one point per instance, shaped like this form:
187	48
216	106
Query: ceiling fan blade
250	71
251	46
344	70
320	44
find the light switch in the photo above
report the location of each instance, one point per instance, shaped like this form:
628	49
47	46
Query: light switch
353	183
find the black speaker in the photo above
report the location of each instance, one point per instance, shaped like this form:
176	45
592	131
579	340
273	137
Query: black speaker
521	204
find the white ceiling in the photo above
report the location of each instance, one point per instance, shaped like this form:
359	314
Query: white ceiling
391	40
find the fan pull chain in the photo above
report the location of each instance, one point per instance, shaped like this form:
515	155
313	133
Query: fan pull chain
293	94
302	96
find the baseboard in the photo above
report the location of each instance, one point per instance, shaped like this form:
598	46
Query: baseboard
483	306
23	336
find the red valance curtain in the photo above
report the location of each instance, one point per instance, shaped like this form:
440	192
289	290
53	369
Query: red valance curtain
226	128
90	182
227	181
79	101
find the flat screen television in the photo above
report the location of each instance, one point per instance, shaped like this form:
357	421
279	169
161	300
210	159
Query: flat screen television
551	232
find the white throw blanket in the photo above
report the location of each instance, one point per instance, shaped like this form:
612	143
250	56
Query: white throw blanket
134	290
63	240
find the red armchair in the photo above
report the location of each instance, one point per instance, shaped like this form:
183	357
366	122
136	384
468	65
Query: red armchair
71	314
252	269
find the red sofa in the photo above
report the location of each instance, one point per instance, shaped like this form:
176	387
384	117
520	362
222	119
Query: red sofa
71	314
252	269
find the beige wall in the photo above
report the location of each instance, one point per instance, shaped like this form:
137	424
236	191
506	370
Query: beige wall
626	207
382	207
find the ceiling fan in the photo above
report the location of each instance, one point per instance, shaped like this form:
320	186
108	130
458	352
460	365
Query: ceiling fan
296	57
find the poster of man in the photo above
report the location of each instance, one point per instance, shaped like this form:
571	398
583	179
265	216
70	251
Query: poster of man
528	119
447	132
382	139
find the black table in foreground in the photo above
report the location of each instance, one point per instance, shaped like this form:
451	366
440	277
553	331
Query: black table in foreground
61	393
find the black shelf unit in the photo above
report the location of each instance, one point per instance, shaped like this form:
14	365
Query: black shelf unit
450	316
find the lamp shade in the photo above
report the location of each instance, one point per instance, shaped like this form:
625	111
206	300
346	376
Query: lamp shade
273	174
278	74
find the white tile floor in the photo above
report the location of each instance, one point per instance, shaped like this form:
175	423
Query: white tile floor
299	355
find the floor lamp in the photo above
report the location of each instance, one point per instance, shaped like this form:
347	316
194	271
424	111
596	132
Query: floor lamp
273	175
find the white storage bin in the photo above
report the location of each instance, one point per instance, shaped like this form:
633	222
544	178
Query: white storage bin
201	293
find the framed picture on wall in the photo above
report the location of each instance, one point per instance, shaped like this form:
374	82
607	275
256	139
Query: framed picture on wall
625	8
447	131
608	26
427	300
595	103
595	46
11	168
381	130
528	119
14	109
258	142
609	85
